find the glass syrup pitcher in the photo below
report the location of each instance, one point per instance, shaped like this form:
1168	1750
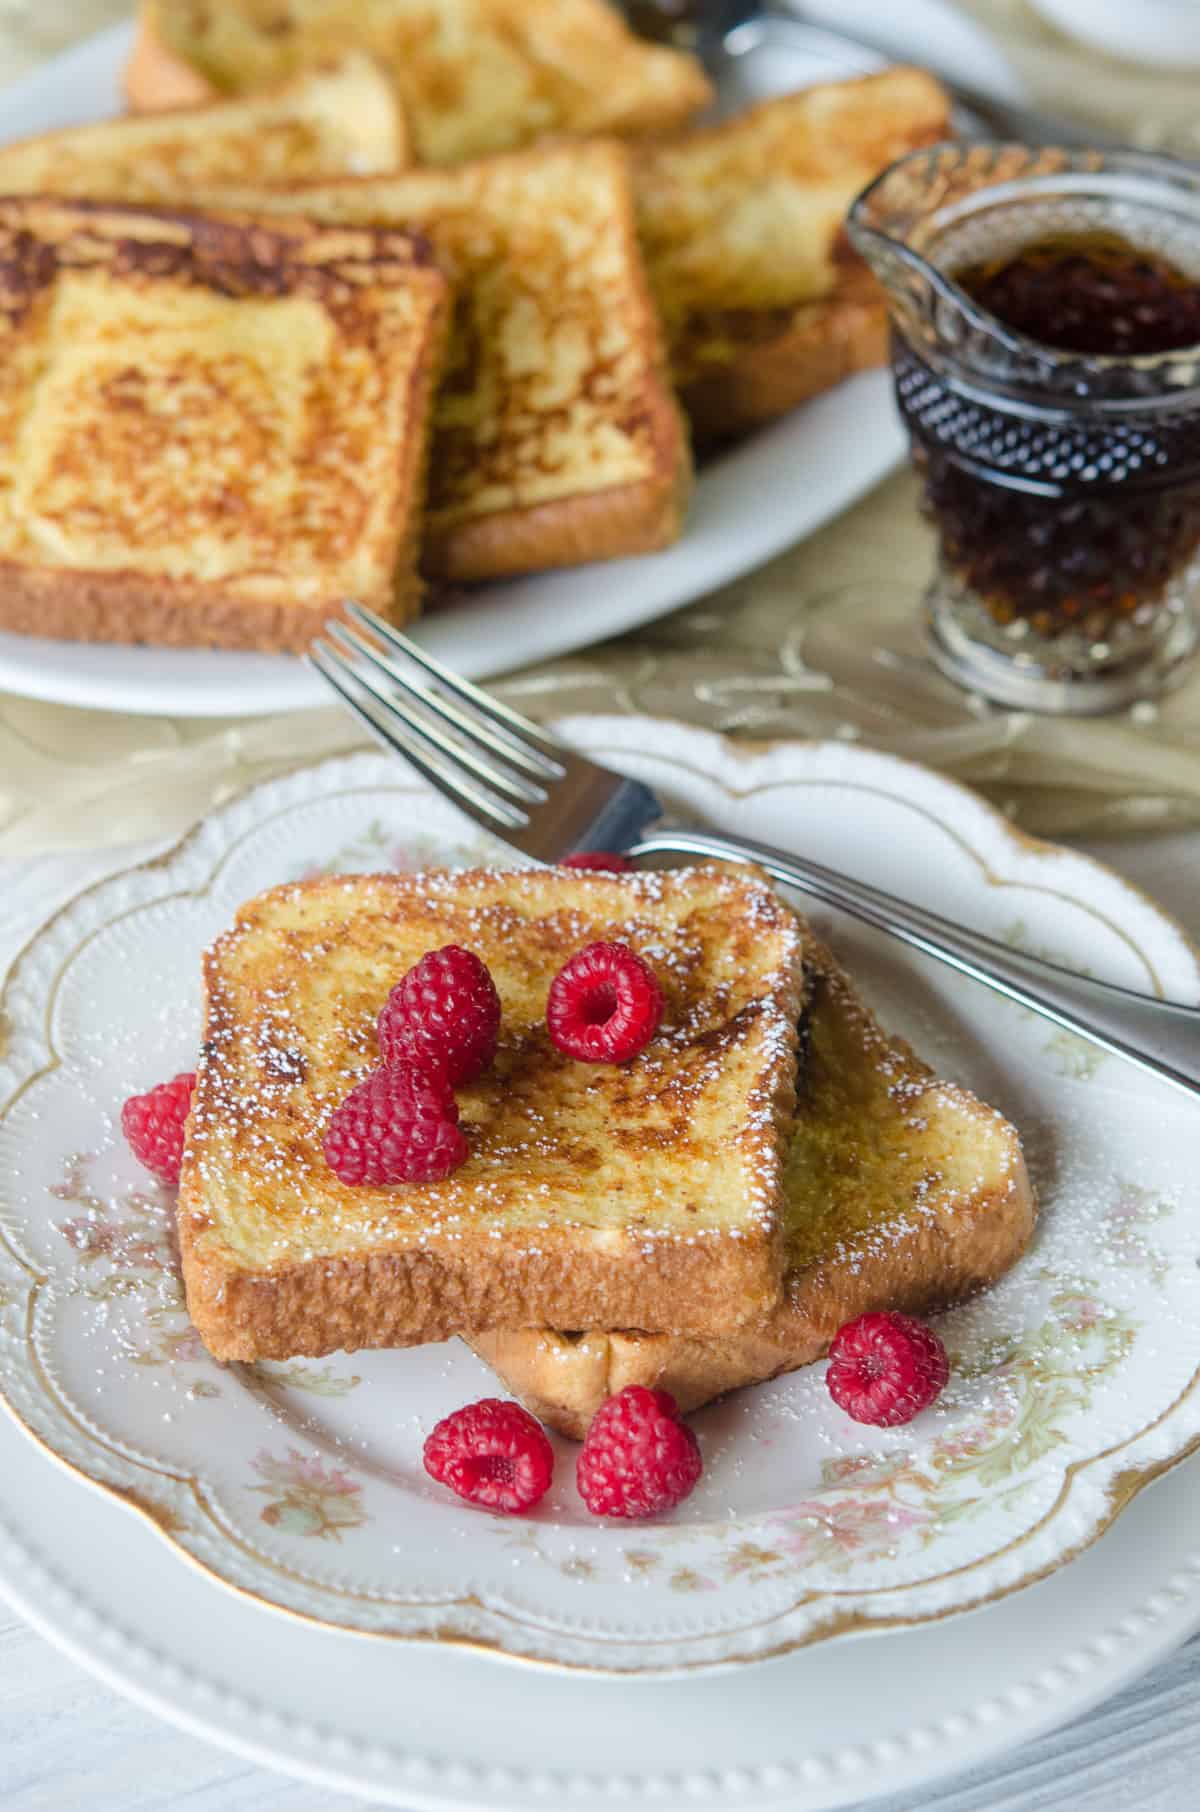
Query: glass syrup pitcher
1045	310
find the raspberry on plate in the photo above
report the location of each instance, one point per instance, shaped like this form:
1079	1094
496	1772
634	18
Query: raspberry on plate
885	1368
399	1125
639	1457
153	1124
607	861
604	1005
492	1453
444	1015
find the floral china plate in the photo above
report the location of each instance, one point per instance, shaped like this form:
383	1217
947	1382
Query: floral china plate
1074	1382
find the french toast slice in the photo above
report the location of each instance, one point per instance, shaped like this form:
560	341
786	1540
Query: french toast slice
903	1192
212	430
473	76
763	301
557	437
341	120
644	1193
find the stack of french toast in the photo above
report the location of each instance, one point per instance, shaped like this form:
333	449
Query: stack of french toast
696	1214
362	296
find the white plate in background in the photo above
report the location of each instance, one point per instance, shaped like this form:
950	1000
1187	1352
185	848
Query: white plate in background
749	505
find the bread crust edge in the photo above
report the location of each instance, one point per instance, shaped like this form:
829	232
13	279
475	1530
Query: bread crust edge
471	1282
640	517
564	1383
823	343
61	603
563	1379
69	605
383	1299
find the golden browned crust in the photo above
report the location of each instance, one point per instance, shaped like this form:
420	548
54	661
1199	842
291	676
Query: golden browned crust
233	252
563	1381
591	1193
395	1299
473	79
742	224
557	436
817	346
627	519
385	307
338	119
612	523
925	1251
598	525
127	607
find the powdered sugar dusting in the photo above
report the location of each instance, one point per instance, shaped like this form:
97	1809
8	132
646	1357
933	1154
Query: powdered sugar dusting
682	1146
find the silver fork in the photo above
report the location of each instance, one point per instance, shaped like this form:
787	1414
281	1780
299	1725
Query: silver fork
546	800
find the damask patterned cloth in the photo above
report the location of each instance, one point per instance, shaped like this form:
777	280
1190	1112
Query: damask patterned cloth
820	642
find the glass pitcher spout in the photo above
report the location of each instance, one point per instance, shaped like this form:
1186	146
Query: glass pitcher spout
941	211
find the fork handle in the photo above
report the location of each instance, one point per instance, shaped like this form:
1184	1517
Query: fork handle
1159	1037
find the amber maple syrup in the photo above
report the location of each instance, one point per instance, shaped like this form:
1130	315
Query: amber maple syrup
1090	292
1064	525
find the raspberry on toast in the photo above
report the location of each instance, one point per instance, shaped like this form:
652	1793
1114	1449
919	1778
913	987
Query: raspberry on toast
903	1192
647	1193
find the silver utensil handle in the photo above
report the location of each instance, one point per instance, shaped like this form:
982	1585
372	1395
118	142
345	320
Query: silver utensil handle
1160	1037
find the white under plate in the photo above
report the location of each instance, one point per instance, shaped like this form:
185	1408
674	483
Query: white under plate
1099	1327
748	505
301	1484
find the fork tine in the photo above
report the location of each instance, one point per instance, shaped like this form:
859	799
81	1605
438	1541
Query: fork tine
492	772
493	813
497	738
491	708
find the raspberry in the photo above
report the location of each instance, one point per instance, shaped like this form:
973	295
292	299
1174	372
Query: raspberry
444	1015
398	1125
604	1005
885	1368
638	1457
153	1124
606	859
492	1453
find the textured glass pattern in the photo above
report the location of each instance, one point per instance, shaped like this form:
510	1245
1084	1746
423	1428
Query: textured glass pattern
1064	486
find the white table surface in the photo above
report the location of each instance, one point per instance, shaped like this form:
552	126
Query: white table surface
70	1744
